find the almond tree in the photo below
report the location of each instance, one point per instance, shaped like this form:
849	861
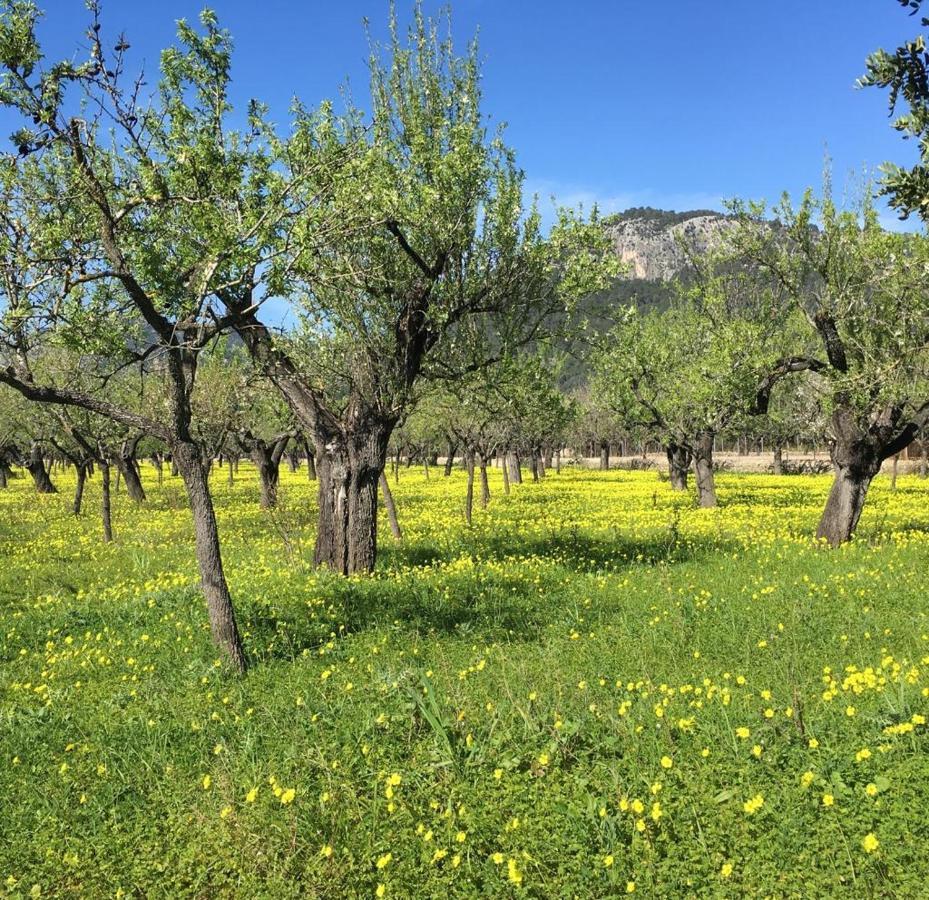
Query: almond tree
442	272
861	295
123	217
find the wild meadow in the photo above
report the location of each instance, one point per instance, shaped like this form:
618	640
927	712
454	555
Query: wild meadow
597	689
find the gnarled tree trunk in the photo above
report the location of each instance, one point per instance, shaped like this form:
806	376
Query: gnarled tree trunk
449	458
269	473
679	458
81	469
128	468
349	472
209	559
703	469
485	485
516	467
36	468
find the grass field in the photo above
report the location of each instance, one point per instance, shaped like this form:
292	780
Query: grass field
597	689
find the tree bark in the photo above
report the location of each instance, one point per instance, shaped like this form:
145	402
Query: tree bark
485	485
127	466
38	471
81	470
269	473
924	460
893	474
679	459
469	491
778	460
516	467
209	559
449	458
703	468
3	476
604	456
105	507
505	469
390	506
346	541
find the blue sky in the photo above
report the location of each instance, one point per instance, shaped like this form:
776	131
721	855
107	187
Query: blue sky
675	104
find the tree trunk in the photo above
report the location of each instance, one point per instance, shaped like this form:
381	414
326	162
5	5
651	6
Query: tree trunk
516	467
81	470
604	456
469	492
346	541
5	473
333	473
924	460
856	459
534	465
449	459
679	459
485	485
310	467
269	473
541	463
38	471
549	457
218	600
390	506
778	460
230	472
126	464
105	509
159	467
293	460
893	474
703	468
843	508
505	469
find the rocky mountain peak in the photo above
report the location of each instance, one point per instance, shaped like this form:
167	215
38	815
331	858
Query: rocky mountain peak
653	242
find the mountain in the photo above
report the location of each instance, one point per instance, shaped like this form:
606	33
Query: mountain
654	243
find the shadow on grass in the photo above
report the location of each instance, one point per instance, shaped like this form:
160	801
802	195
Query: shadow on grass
506	603
573	550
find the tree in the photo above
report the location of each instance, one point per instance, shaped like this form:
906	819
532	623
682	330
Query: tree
438	271
859	296
905	74
121	222
687	373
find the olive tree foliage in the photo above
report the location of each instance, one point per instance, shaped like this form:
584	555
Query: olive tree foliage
443	272
860	296
904	73
125	215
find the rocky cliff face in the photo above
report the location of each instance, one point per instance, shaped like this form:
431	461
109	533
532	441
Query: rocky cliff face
654	244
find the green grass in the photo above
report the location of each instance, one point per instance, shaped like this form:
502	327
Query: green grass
524	679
